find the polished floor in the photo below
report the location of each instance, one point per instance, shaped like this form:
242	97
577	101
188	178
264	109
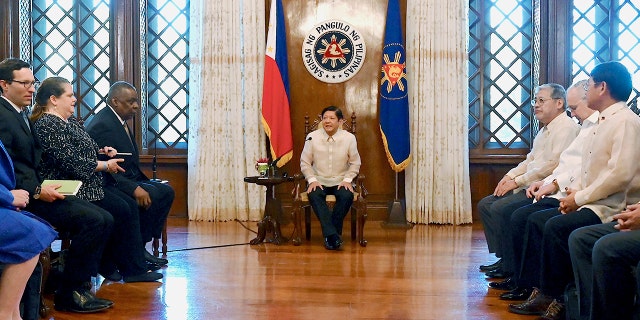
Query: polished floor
426	272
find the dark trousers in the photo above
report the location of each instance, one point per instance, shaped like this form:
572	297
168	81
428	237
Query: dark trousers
331	220
603	259
125	250
529	275
491	210
152	220
513	233
89	227
556	271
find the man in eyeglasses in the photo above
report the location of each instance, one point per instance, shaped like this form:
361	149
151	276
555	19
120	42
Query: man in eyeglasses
556	133
610	179
88	225
547	193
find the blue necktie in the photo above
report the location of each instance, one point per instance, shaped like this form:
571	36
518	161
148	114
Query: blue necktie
25	118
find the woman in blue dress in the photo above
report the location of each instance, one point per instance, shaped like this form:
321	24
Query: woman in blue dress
22	237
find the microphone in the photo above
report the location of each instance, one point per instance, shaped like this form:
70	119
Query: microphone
154	161
274	162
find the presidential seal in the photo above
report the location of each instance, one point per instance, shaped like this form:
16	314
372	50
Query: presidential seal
333	51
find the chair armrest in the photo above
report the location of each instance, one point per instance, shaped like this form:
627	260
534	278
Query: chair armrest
359	185
298	187
298	179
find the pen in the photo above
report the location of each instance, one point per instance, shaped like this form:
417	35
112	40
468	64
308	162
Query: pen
120	153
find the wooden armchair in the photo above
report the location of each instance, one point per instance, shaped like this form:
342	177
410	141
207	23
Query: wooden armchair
301	202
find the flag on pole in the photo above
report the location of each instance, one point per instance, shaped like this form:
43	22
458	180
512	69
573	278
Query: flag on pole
276	118
394	102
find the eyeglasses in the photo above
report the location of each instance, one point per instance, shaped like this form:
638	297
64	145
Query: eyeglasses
541	101
27	84
586	84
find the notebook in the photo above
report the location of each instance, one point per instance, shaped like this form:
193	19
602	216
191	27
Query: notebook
68	188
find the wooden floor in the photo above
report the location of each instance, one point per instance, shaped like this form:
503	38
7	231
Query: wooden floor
427	272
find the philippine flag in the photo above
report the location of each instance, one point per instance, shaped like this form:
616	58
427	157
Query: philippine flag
276	117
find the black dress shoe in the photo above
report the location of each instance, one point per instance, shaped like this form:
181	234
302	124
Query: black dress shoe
555	311
81	301
491	267
332	242
498	274
112	276
144	277
536	304
517	294
152	266
151	258
89	295
87	286
506	284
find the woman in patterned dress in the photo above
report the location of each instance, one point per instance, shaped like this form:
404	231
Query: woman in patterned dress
69	153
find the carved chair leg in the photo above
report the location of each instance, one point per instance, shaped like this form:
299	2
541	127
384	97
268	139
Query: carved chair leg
307	222
354	213
164	239
45	262
362	218
155	245
297	224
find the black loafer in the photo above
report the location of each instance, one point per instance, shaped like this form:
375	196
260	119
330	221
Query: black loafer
491	267
153	259
506	284
332	242
517	294
498	274
329	245
112	276
152	266
144	277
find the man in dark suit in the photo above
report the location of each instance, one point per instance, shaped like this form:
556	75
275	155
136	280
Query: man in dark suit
109	127
88	225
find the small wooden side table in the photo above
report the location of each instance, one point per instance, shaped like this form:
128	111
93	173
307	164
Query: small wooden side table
272	210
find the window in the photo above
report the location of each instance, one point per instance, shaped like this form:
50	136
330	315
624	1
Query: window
167	73
71	39
605	31
501	75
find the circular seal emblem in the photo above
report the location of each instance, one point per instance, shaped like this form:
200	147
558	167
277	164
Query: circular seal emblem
333	51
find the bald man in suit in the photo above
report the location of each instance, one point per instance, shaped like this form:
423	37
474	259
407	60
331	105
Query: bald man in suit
109	127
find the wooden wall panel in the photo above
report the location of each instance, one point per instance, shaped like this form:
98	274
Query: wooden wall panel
174	169
9	29
484	178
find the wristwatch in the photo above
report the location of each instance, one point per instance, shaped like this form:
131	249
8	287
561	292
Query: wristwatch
555	183
36	194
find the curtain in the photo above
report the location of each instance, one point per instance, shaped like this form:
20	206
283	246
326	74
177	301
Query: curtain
225	134
437	180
